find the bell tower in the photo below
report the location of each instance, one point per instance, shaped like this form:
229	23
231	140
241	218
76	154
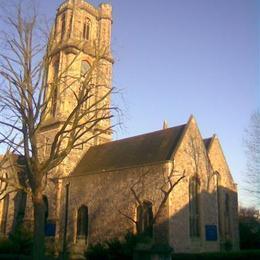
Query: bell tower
81	32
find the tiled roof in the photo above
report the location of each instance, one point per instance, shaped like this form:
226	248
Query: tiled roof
138	150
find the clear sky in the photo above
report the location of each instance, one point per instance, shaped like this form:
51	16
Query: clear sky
174	58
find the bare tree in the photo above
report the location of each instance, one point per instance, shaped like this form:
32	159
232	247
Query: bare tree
198	158
252	145
249	213
170	181
26	99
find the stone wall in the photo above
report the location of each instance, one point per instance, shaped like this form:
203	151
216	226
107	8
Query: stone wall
109	199
227	188
191	157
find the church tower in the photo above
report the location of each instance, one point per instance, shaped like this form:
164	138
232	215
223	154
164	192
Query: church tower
81	32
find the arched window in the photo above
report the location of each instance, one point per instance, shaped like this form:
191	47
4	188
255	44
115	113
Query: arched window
63	25
55	88
86	30
56	69
227	216
20	199
82	223
84	68
5	214
218	188
194	207
218	193
83	73
54	101
145	218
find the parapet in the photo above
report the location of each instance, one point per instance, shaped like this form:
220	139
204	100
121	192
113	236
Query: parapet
104	11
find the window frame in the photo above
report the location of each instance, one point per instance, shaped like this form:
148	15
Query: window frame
5	209
63	25
194	208
82	228
54	100
86	29
227	217
84	72
144	218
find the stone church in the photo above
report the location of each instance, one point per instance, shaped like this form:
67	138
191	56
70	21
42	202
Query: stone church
172	184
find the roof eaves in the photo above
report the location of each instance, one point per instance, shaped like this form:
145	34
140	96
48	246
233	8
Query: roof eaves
116	169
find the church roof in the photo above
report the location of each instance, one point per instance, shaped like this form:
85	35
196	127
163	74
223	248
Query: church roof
138	150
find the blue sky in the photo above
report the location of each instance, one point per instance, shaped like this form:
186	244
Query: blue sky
174	58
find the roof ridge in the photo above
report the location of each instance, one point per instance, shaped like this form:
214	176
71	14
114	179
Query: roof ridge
139	135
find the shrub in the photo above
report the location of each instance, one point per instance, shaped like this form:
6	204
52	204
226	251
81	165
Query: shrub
19	242
228	245
249	235
97	252
249	227
22	239
6	246
115	248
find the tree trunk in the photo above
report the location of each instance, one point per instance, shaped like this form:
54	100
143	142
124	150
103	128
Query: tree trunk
39	223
